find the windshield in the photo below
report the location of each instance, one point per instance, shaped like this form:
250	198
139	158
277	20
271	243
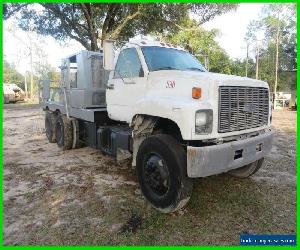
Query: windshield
160	58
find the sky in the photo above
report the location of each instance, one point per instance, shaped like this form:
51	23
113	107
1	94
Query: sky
232	28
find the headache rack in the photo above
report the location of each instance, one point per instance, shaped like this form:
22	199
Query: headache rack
242	108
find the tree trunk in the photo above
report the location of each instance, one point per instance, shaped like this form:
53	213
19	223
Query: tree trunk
126	20
247	59
93	32
293	97
88	13
94	45
26	93
103	36
277	58
31	71
257	61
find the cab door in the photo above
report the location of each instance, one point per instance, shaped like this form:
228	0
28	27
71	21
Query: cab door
126	87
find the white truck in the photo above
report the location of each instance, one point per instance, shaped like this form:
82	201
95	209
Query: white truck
156	103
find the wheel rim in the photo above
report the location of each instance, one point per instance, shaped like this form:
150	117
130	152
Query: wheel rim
157	176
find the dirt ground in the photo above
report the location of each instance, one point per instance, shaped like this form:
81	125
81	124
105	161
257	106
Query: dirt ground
81	197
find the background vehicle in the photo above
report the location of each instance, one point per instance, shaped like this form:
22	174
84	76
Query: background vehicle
157	104
19	93
8	94
14	90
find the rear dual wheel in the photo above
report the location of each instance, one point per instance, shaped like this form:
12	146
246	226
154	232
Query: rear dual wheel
59	129
64	132
50	120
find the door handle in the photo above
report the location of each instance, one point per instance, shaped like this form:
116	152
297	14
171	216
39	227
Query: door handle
110	86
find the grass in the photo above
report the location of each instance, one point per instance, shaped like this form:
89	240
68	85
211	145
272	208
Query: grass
221	208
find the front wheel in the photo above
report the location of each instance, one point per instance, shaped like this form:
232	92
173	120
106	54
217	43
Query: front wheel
247	170
161	169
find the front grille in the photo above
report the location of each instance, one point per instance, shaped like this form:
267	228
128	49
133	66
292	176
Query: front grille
242	108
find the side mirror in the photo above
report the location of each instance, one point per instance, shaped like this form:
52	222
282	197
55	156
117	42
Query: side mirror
109	54
63	67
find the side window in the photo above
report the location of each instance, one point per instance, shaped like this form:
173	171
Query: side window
73	77
128	64
73	72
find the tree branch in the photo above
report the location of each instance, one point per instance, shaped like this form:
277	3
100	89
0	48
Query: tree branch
10	10
123	24
67	25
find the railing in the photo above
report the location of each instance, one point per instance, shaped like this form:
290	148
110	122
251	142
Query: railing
51	91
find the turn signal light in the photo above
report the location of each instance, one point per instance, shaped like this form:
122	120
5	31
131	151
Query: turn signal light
196	93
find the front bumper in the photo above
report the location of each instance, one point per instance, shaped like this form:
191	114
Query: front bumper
216	159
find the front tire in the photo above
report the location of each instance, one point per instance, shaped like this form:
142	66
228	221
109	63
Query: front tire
161	170
64	132
247	170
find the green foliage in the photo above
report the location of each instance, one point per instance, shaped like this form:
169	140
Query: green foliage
272	17
238	67
91	23
202	44
53	76
11	75
251	35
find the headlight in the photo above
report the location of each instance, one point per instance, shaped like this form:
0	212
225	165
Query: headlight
203	121
201	118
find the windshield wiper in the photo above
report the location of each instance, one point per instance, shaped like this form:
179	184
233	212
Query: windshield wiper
165	68
193	68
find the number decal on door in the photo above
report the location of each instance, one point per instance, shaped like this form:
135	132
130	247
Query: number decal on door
170	84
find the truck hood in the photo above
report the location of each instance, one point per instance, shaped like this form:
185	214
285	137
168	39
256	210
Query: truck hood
177	83
216	77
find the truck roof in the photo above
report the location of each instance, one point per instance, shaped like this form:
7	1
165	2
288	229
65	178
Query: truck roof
146	43
72	57
130	44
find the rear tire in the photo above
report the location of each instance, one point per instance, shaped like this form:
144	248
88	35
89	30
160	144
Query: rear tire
64	132
50	120
162	174
75	129
247	170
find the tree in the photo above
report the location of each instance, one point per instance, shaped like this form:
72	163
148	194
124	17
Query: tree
11	75
30	48
278	51
274	25
202	44
252	38
238	67
91	23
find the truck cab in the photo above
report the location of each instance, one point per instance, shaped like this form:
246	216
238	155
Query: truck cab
158	80
174	118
